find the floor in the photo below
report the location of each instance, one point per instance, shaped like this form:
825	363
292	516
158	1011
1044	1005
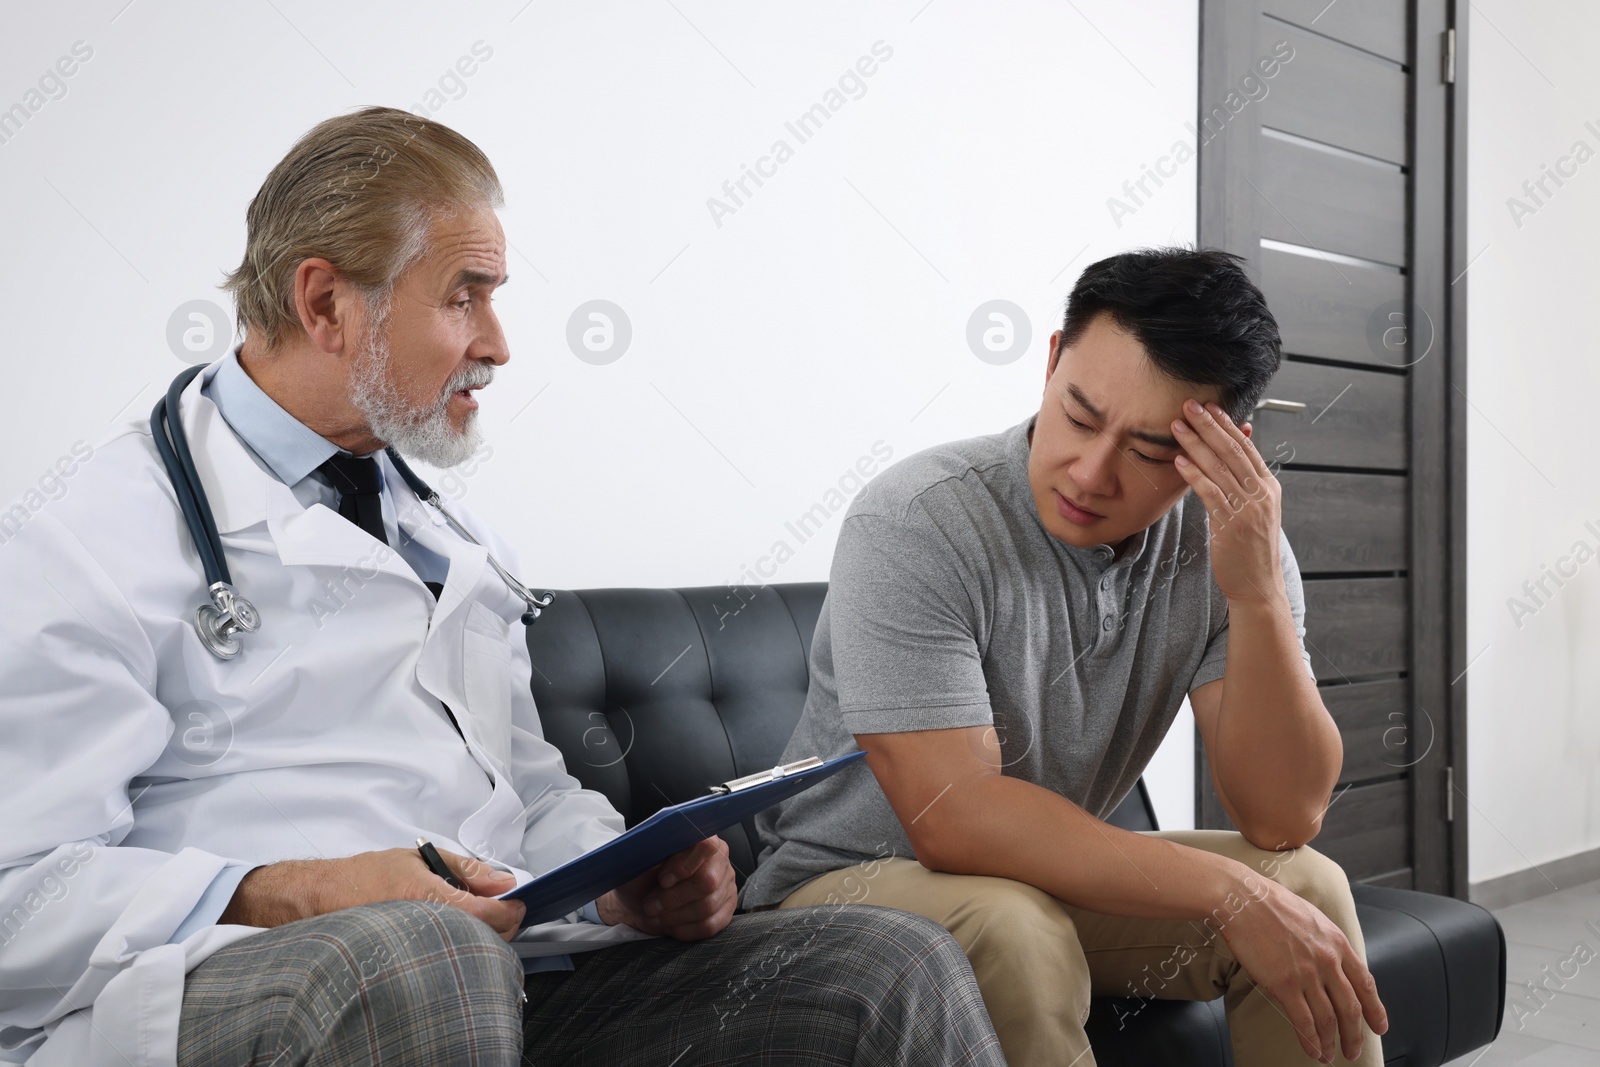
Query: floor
1559	1026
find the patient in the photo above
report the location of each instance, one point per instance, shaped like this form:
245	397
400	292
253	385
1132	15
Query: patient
1011	626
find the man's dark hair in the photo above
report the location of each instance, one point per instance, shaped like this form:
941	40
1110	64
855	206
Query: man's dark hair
1197	314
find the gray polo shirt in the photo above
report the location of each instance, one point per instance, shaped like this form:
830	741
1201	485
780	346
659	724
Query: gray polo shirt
950	605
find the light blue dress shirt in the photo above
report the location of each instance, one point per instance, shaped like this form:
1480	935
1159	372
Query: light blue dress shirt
291	451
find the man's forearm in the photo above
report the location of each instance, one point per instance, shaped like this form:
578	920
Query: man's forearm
998	825
1277	752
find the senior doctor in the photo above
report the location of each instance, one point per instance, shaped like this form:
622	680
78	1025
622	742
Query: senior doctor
209	860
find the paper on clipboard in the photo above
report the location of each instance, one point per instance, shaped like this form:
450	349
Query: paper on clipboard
668	831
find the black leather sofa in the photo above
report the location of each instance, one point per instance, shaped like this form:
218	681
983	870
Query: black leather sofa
654	694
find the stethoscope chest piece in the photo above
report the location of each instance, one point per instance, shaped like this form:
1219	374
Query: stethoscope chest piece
220	622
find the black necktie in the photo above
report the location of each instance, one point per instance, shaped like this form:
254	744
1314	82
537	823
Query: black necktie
359	482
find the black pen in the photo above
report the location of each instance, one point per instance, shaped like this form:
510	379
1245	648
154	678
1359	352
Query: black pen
436	864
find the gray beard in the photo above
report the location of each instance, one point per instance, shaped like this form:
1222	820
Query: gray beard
425	434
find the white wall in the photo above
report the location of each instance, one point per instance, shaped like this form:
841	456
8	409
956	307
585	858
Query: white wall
769	353
1533	381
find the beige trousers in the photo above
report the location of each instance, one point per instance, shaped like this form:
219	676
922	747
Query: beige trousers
1039	960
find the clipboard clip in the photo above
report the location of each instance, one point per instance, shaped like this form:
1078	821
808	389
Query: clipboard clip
782	770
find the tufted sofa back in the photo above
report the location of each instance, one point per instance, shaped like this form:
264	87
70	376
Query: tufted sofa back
652	695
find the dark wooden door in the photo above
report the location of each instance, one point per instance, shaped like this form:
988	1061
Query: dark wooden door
1323	160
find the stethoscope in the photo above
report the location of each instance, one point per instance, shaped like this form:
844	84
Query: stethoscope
220	622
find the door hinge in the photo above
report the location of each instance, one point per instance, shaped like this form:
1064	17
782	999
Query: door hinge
1447	53
1449	794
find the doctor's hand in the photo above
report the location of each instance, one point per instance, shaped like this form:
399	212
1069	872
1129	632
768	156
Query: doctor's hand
298	889
688	896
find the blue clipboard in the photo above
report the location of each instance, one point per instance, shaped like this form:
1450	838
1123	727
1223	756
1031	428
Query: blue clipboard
669	831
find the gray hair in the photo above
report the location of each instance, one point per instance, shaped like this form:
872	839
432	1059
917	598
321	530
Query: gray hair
361	191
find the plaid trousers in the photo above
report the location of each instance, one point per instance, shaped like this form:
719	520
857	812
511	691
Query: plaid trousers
410	983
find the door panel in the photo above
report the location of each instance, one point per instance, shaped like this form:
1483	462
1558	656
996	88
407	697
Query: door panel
1334	202
1374	720
1356	627
1375	25
1352	418
1334	187
1345	522
1336	94
1326	309
1368	829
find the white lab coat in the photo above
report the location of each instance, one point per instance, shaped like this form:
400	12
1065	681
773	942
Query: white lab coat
135	766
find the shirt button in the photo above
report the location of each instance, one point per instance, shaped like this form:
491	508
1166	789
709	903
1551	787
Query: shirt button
1105	583
1107	623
